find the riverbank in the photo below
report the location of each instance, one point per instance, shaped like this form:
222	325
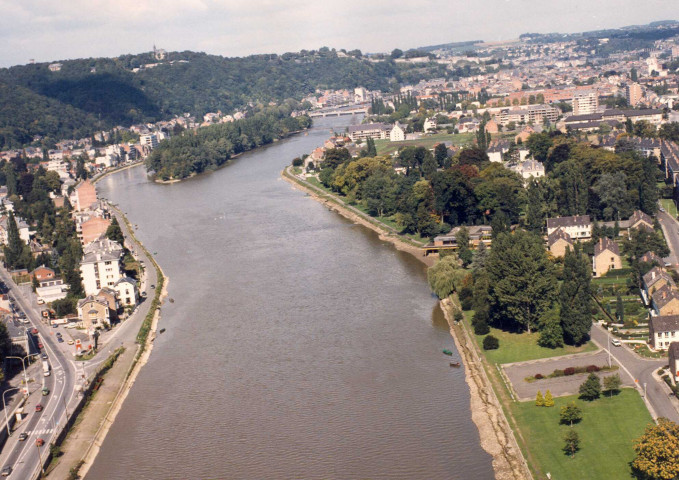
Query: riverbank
84	441
497	438
358	217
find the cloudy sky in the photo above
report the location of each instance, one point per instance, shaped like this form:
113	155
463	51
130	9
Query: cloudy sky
47	30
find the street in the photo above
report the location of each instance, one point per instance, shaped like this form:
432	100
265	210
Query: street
25	456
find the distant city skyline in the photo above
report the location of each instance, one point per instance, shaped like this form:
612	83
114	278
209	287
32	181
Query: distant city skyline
51	31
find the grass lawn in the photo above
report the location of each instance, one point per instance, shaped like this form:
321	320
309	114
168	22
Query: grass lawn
385	147
519	347
607	431
669	206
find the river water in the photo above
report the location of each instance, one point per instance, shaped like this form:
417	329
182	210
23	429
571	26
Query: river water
299	346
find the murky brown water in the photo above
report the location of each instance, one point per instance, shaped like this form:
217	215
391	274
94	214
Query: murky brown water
299	346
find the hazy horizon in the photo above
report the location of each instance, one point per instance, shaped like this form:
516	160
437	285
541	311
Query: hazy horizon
46	32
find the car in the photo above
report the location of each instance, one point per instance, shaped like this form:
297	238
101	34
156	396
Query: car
40	442
45	391
661	209
44	356
60	340
6	470
616	343
58	334
39	344
41	301
54	325
70	342
34	331
153	286
23	436
38	408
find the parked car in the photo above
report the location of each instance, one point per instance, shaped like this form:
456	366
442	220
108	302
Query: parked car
23	436
45	391
41	301
6	470
39	344
70	342
34	331
60	340
616	343
38	408
44	356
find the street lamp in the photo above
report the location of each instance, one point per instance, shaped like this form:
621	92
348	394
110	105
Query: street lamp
9	434
23	363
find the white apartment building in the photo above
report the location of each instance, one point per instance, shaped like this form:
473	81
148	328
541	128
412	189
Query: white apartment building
100	266
151	140
535	114
585	102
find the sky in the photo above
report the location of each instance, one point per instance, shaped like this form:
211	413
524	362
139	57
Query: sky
49	30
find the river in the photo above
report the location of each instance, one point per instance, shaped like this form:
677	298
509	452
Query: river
299	346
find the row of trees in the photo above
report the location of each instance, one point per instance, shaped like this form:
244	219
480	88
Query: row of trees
210	147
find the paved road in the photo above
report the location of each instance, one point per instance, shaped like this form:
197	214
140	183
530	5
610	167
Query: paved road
641	371
670	228
66	372
24	456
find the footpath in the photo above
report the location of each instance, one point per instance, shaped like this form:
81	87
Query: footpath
95	415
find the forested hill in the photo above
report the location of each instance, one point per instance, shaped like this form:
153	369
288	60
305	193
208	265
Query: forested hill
209	147
100	93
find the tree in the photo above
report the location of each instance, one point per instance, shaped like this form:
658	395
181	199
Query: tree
551	333
658	451
522	279
14	251
619	309
441	155
575	298
612	384
463	250
479	259
634	76
611	188
570	414
396	53
445	276
549	400
539	401
113	232
590	388
571	442
491	343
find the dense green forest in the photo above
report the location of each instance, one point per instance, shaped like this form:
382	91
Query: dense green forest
209	147
99	93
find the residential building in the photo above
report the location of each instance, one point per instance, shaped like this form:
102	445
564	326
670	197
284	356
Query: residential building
585	102
100	266
51	290
93	313
477	235
655	279
93	228
633	94
559	242
665	301
376	131
673	354
577	227
640	220
150	140
529	169
429	125
606	257
662	331
24	229
535	114
43	273
126	289
85	195
652	258
397	134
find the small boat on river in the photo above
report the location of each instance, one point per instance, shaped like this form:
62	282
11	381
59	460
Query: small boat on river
454	364
447	352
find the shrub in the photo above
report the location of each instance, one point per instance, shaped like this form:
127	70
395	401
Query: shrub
538	376
539	401
481	328
549	400
592	368
557	373
297	162
491	343
458	316
569	371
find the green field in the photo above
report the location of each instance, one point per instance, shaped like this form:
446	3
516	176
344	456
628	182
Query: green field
520	347
385	147
607	432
